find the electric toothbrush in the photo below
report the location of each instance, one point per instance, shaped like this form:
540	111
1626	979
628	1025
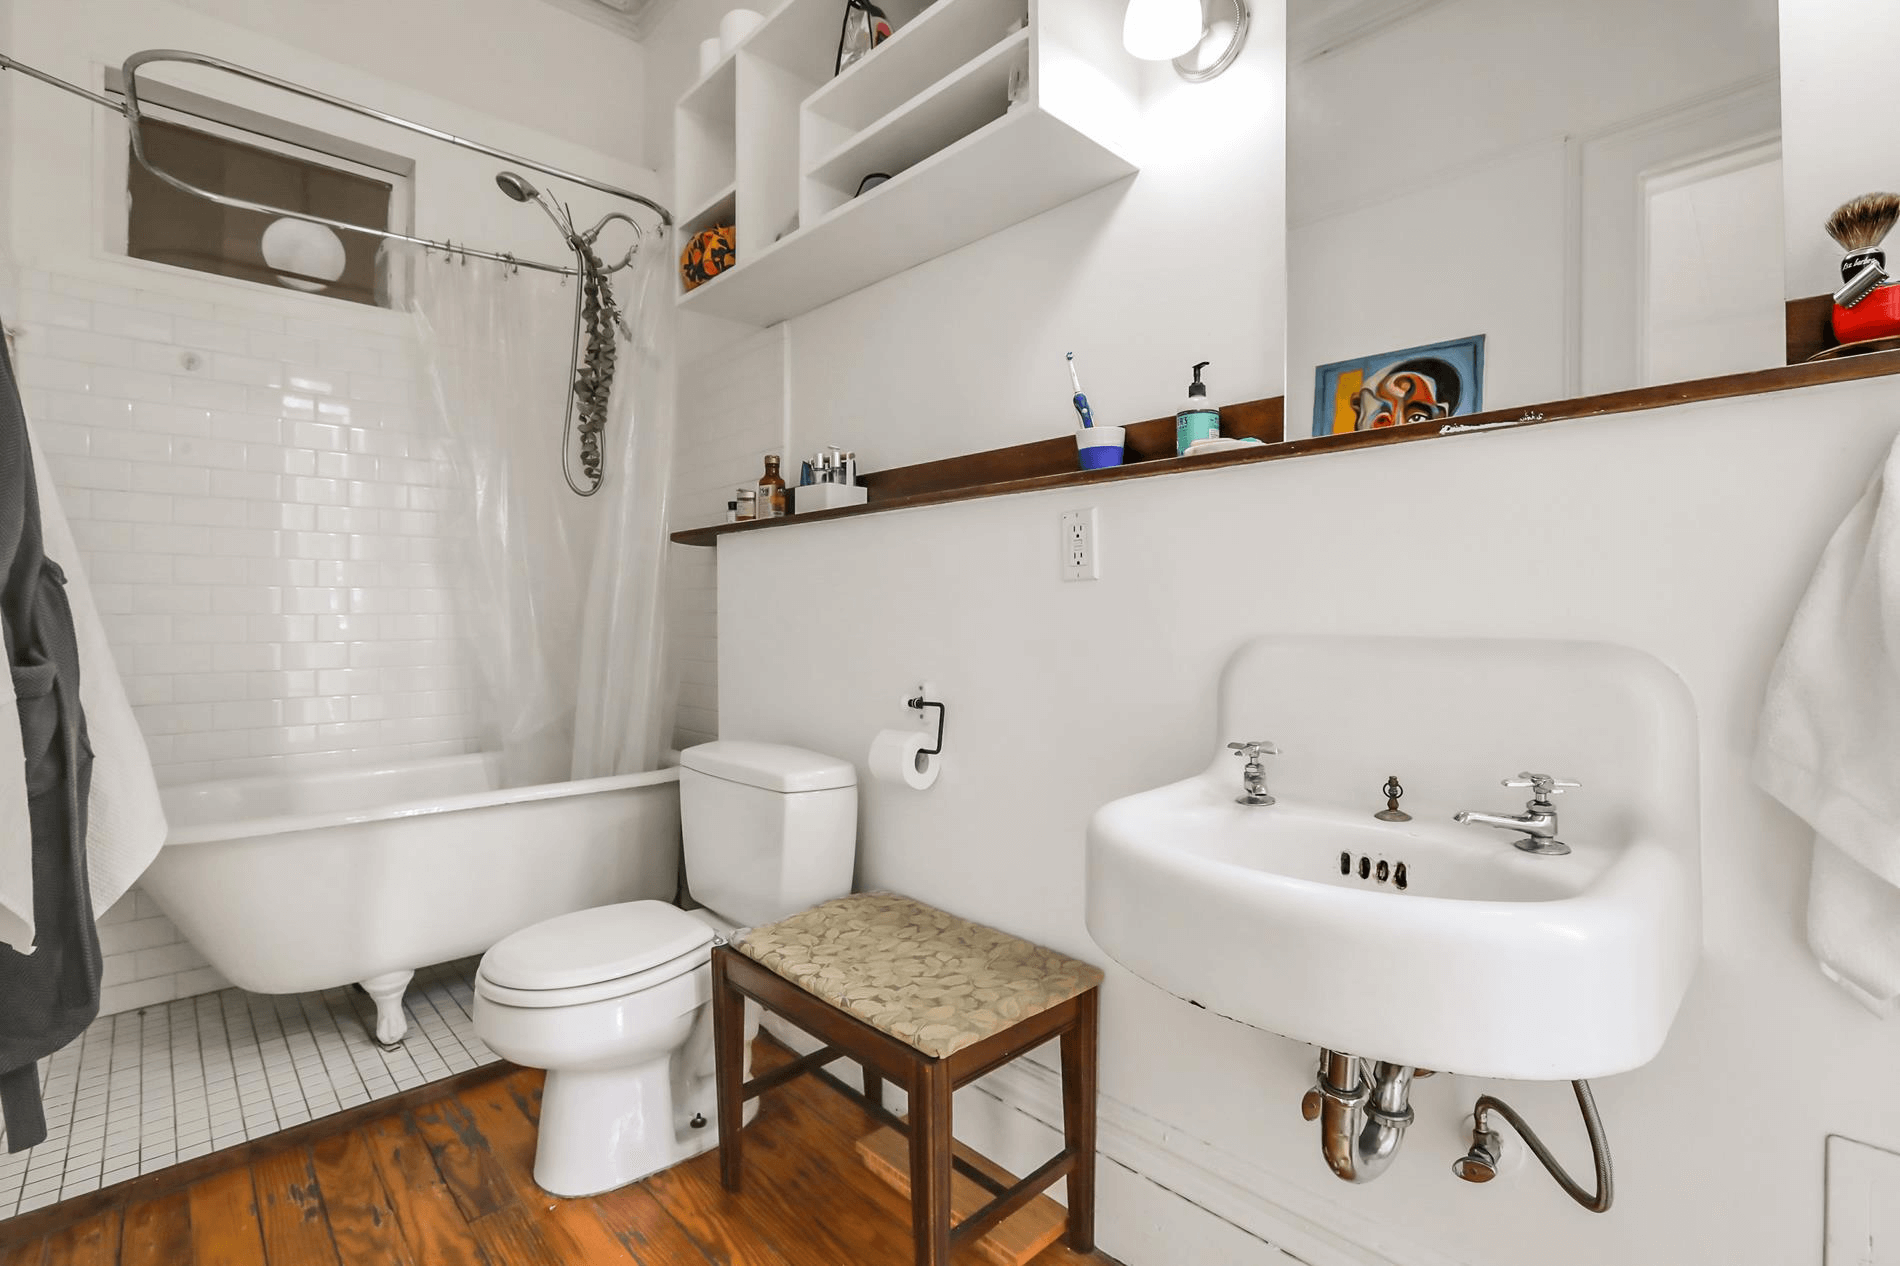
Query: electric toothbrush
1081	401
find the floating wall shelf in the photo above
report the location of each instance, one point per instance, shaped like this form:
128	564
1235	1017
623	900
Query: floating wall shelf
1049	464
772	142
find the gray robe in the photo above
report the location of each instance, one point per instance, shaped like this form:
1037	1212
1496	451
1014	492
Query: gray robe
49	996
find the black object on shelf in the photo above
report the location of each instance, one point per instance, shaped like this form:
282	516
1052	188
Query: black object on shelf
864	28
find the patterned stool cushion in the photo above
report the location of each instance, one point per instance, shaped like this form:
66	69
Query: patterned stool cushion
929	979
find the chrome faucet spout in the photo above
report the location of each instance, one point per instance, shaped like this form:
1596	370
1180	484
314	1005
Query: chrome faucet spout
1538	822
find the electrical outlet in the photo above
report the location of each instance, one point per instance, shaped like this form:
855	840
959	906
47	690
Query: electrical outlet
1080	559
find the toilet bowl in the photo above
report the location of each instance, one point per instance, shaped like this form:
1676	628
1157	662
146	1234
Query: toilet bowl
629	1055
614	1002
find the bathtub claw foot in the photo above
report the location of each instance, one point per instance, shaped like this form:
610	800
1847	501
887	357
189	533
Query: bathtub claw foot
386	992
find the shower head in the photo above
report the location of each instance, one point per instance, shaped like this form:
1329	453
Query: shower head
516	187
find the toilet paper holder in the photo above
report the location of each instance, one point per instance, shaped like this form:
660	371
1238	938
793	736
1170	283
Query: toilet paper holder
918	703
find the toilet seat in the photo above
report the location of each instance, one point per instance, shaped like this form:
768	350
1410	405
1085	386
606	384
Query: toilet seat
588	955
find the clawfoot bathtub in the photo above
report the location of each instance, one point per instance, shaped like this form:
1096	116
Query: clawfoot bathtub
289	884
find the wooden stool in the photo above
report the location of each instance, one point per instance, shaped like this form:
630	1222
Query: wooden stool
928	1001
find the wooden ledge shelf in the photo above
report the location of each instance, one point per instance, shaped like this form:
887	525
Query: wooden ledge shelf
1048	464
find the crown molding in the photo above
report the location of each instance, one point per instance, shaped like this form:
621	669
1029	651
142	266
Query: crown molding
1320	27
634	19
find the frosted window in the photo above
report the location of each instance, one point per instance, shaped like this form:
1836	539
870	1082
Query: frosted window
170	226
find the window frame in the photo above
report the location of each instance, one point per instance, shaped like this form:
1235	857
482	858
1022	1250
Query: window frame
227	121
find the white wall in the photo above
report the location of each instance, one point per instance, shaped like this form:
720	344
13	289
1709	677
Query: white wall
1440	261
1181	263
1824	90
731	414
528	61
261	529
1440	169
257	497
672	58
6	130
1688	533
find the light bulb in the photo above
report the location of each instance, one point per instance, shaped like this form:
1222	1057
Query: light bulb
1162	30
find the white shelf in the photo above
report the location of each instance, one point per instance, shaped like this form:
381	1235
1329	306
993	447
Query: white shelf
964	101
705	136
931	106
956	196
718	209
712	96
944	37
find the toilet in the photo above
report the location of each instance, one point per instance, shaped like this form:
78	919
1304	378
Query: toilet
614	1001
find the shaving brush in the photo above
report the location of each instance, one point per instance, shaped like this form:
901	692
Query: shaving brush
1867	306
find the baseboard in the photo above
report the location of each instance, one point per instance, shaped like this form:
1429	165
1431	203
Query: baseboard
1160	1190
1214	1181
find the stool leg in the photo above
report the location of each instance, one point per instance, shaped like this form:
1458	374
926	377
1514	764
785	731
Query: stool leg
728	1006
930	1161
873	1087
1078	1119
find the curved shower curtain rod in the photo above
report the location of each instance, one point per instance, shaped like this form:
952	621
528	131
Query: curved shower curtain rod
134	117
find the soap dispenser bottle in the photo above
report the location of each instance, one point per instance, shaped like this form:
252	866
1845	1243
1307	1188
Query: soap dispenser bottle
1200	420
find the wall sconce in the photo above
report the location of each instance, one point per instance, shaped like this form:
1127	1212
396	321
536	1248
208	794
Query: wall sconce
1178	31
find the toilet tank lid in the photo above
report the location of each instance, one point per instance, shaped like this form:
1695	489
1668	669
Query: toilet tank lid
769	765
587	947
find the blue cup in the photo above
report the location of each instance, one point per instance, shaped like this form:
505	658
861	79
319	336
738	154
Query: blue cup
1099	446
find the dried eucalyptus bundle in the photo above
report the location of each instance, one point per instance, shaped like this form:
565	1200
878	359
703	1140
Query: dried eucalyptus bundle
594	379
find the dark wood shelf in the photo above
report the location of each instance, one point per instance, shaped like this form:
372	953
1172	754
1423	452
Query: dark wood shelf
1048	464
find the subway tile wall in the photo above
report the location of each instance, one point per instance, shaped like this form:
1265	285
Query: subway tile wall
731	414
257	503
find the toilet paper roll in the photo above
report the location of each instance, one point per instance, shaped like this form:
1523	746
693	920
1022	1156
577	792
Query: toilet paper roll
710	51
898	756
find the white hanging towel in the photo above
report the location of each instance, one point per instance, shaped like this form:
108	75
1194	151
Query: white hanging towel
1829	744
125	820
16	827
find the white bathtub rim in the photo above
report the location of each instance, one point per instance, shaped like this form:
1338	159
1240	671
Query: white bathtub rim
251	828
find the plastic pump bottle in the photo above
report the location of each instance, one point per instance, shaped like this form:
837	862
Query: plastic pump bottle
1200	420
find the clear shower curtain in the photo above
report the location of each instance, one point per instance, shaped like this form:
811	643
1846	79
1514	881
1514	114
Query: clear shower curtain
624	712
564	610
496	348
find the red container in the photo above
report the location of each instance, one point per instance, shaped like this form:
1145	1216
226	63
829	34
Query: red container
1876	316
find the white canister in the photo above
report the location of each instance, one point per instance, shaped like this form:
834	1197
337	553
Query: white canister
710	51
735	26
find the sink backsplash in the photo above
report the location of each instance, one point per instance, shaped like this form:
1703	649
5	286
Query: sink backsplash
1453	716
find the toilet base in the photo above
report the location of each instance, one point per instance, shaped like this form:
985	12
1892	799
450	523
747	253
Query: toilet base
594	1134
604	1128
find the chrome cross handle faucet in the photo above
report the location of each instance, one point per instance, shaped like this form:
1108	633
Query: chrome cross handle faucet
1539	819
1254	775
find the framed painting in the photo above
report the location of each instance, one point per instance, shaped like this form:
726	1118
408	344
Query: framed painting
1418	384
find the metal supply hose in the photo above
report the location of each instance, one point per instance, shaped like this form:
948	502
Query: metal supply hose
1597	1201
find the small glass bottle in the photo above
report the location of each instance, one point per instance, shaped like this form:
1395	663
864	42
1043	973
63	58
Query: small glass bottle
746	504
771	490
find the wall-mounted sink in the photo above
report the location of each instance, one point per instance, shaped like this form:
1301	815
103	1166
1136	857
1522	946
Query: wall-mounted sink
1487	961
1424	943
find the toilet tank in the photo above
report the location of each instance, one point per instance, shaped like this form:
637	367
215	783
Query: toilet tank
769	830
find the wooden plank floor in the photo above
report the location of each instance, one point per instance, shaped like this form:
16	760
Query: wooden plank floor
449	1183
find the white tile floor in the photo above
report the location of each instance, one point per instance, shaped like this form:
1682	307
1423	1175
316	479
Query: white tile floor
149	1088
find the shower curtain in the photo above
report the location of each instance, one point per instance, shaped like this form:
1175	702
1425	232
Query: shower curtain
562	609
624	712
